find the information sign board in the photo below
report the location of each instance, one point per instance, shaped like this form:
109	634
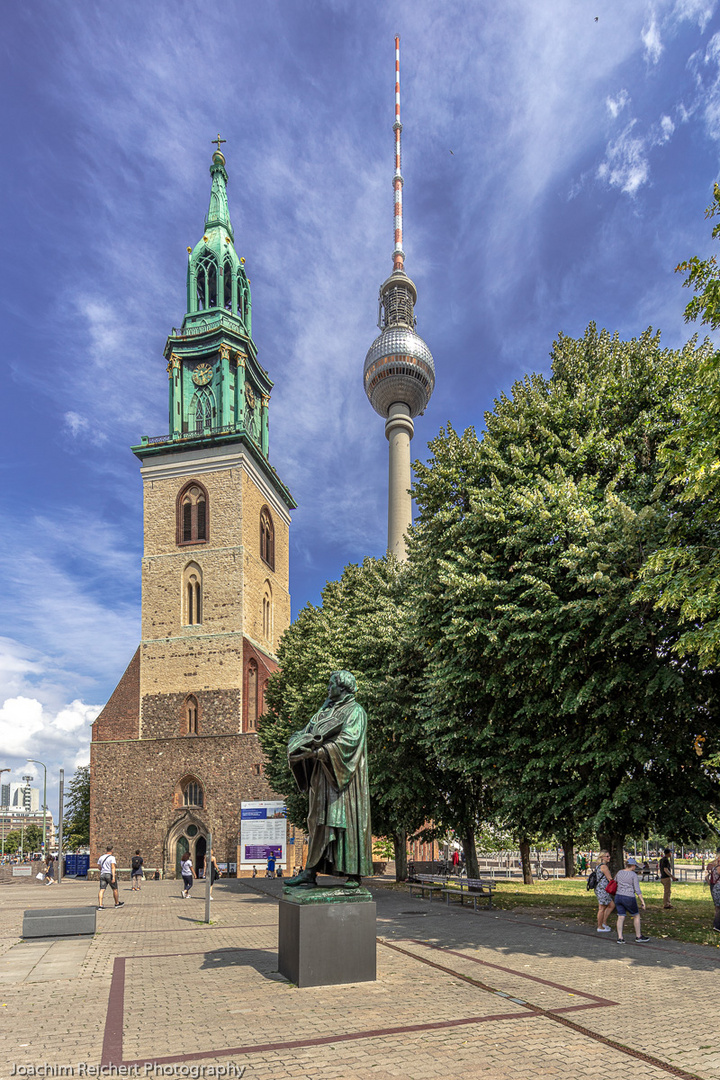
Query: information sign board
263	832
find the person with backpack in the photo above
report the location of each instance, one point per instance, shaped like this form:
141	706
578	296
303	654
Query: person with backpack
598	880
136	871
712	877
667	876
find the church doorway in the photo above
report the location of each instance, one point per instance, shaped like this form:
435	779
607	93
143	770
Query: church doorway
199	860
187	837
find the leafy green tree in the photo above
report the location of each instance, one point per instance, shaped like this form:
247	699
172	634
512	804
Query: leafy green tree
12	842
683	573
544	682
357	627
28	839
76	827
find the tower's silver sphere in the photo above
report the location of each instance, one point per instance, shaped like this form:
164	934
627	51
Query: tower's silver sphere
399	368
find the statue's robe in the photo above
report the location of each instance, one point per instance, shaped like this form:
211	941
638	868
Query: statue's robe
337	786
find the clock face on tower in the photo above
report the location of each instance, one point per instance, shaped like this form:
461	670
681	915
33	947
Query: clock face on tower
202	375
249	395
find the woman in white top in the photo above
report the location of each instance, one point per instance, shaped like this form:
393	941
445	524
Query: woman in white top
628	886
188	874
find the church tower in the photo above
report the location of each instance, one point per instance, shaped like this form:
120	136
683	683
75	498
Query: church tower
399	372
215	581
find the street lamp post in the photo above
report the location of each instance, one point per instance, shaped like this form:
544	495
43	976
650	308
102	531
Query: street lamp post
27	781
60	827
3	819
36	762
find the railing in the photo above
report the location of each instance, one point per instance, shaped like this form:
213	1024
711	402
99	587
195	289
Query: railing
186	436
223	318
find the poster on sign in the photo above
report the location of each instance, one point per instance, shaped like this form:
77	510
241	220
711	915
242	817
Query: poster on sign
263	832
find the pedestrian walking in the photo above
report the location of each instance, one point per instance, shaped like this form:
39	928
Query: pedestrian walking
108	876
712	876
628	887
188	873
666	876
136	871
214	870
270	868
606	904
49	866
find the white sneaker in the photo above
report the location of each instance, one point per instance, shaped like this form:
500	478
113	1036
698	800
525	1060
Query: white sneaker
603	929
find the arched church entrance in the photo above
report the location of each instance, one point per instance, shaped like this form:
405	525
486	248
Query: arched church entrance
188	834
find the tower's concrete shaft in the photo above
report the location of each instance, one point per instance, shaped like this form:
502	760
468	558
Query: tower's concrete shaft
399	431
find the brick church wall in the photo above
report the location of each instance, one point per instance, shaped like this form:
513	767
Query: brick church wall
137	792
219	713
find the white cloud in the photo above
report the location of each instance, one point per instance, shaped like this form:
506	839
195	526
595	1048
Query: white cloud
626	164
617	104
20	719
699	11
651	40
667	127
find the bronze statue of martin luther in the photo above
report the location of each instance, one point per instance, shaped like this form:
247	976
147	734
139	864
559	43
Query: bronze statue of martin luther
328	759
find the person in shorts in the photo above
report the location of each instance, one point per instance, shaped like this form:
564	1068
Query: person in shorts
136	871
188	873
628	887
108	876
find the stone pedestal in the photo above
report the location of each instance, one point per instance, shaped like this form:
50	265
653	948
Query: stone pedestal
59	922
327	936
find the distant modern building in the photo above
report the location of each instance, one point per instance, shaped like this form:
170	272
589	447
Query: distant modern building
175	750
399	372
20	797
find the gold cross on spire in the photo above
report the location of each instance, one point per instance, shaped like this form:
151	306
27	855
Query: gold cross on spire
218	141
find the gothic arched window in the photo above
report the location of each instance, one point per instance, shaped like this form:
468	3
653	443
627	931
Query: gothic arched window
192	514
202	410
207	275
227	286
190	715
267	538
241	298
192	595
267	613
193	794
252	695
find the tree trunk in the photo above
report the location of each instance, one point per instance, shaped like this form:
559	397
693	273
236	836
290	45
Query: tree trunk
400	845
569	854
525	861
470	851
614	842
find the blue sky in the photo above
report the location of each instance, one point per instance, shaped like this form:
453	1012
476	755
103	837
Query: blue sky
556	170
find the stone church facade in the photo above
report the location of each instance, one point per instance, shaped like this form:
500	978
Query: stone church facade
175	750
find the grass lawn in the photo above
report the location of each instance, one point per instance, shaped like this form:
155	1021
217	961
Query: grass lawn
689	919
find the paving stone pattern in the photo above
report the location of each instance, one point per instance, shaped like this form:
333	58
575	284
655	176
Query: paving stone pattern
459	994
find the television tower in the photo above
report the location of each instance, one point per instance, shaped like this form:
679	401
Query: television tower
399	373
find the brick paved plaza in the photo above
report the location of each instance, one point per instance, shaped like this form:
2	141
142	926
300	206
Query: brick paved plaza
458	994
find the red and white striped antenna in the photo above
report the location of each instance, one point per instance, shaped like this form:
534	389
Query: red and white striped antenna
398	253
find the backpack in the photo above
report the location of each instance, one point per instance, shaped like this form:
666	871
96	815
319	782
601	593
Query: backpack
136	862
592	881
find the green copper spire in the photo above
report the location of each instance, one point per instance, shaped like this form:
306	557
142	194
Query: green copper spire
219	393
216	275
218	215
